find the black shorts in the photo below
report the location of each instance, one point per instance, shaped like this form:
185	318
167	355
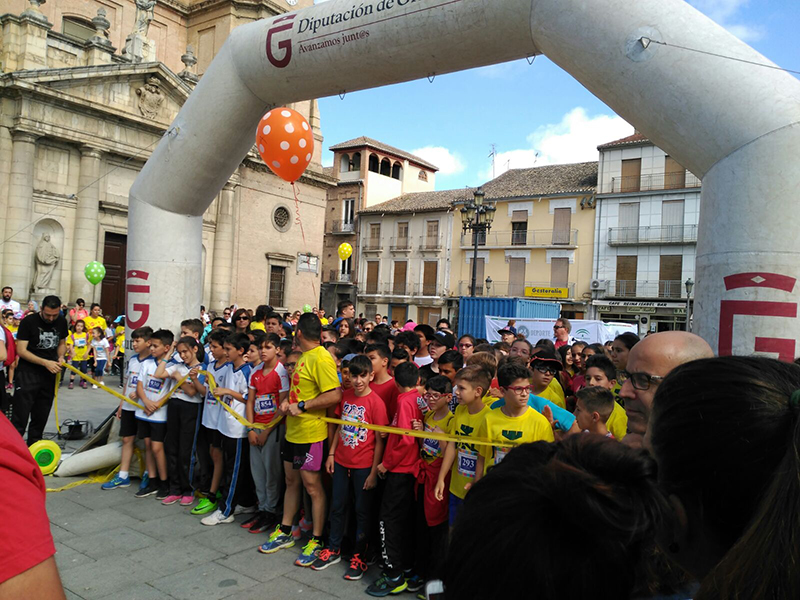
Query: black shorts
213	436
299	454
128	425
157	432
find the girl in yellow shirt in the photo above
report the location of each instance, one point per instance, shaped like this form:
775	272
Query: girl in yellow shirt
78	345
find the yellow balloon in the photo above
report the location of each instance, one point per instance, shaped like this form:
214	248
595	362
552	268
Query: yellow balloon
345	251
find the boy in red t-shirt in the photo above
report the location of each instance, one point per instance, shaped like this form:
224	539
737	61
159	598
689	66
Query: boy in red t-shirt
353	460
400	466
268	387
382	383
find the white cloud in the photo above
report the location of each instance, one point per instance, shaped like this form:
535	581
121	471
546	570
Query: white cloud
725	12
574	139
448	163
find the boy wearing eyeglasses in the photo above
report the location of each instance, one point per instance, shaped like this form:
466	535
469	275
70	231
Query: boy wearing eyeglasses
514	422
546	366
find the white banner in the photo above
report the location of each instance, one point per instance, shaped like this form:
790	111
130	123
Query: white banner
534	329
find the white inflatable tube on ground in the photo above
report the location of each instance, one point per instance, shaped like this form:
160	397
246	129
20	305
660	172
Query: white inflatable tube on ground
733	123
108	455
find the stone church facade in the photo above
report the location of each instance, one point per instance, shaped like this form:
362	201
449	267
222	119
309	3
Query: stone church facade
88	88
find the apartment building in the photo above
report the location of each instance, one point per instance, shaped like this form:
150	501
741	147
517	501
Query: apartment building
646	234
541	240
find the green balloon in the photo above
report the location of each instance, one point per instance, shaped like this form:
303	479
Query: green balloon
306	308
95	272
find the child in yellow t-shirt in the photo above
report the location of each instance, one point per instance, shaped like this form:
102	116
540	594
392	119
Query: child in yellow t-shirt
118	355
461	458
600	371
546	365
515	421
593	408
78	346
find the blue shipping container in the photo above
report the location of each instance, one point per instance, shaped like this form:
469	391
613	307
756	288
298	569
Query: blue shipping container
472	312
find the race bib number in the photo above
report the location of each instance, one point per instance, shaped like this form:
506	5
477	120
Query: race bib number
499	455
431	448
467	463
211	400
134	379
265	405
155	384
81	343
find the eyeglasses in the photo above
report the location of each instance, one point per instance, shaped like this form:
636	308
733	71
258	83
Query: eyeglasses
519	389
642	381
435	395
545	369
290	365
558	327
465	345
242	318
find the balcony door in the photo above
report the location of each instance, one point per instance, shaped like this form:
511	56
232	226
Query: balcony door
399	281
562	220
669	276
626	276
516	277
559	272
672	221
631	175
629	223
372	276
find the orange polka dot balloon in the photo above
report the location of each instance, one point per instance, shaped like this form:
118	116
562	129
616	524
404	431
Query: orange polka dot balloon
285	142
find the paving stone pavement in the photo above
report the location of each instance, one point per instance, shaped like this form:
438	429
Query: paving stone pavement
112	545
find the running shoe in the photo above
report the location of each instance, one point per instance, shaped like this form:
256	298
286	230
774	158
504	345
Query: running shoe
71	385
117	482
145	480
356	569
216	518
187	500
205	506
309	553
277	540
305	526
250	521
296	533
387	585
415	583
149	490
171	499
163	492
244	510
325	558
94	387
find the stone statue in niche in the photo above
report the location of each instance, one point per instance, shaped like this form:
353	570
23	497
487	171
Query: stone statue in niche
144	15
150	98
46	259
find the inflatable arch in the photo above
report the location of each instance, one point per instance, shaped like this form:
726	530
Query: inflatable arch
732	123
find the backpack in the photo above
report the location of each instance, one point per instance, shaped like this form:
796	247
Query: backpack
11	347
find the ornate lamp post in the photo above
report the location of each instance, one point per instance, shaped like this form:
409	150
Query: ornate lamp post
689	285
477	217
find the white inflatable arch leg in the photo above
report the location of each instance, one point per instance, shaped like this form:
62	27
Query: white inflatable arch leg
731	123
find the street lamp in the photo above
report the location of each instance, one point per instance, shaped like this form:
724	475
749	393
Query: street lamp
689	285
488	283
477	217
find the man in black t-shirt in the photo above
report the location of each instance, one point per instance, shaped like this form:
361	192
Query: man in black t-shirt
41	346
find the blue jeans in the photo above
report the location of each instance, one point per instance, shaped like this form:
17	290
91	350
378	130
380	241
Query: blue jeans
343	479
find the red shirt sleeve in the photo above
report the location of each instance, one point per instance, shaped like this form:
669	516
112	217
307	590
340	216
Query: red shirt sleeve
25	538
402	452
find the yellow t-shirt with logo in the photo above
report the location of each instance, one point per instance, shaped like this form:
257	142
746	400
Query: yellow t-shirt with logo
119	342
92	322
464	466
555	394
79	343
314	374
531	426
430	450
617	423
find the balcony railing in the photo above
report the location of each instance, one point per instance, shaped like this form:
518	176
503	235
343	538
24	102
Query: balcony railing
662	234
371	243
400	243
339	277
664	288
530	238
428	290
507	289
654	182
375	288
430	243
343	227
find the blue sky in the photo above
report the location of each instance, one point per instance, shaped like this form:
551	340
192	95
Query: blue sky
547	117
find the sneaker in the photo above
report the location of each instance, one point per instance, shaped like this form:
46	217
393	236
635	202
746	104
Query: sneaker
250	521
84	385
305	526
171	499
325	558
205	506
187	500
266	523
296	533
309	554
145	480
71	385
244	510
356	569
148	490
414	583
277	540
94	387
216	518
386	585
162	494
422	596
115	483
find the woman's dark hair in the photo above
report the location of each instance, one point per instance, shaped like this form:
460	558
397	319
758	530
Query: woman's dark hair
192	343
628	339
726	435
593	504
563	352
351	331
545	343
239	313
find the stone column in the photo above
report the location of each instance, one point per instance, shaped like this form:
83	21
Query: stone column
222	267
17	251
84	245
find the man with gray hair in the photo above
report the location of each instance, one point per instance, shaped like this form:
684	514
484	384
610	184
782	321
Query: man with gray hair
649	362
561	331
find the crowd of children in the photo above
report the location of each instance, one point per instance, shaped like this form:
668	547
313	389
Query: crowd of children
245	439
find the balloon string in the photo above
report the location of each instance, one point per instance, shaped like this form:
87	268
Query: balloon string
299	222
